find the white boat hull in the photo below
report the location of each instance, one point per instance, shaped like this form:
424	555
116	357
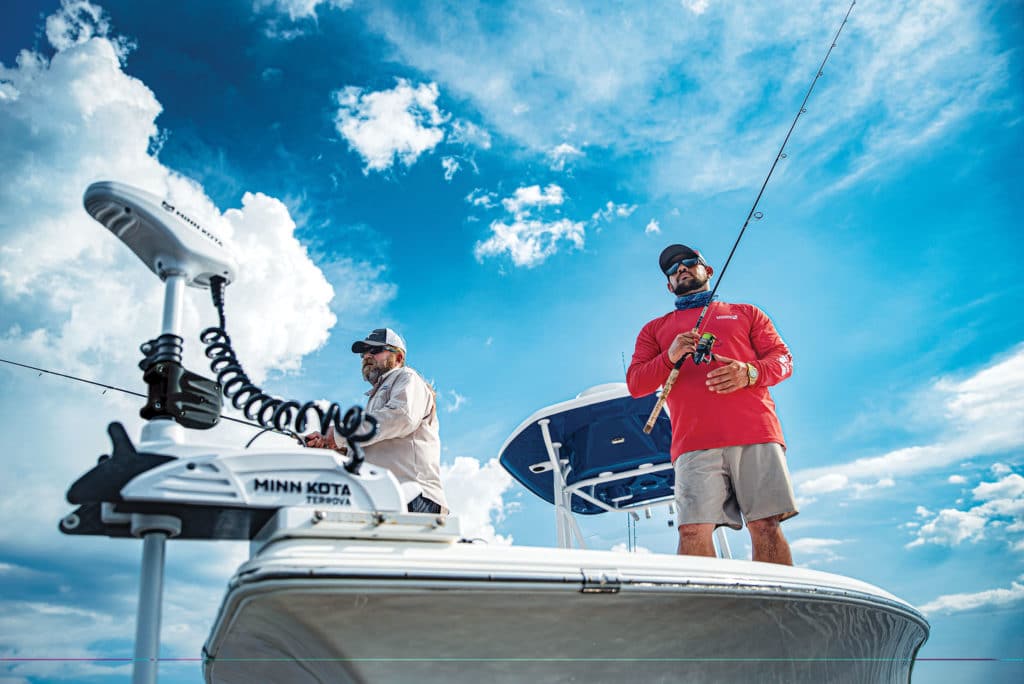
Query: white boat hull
350	611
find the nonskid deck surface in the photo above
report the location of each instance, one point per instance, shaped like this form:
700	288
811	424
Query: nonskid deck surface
344	611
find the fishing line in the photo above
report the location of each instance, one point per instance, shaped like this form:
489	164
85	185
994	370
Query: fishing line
137	394
754	213
703	353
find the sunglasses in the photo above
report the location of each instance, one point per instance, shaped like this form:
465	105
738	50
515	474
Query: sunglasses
688	263
378	350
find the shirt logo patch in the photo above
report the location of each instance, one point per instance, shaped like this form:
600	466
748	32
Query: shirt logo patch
731	318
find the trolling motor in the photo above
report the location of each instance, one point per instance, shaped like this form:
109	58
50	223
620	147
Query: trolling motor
180	252
162	487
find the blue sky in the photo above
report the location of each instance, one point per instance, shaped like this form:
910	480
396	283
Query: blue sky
495	181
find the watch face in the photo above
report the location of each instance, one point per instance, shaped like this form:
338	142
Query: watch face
751	372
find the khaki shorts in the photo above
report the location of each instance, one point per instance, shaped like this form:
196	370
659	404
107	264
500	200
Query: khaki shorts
715	485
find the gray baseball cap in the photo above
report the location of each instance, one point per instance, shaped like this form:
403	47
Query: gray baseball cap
381	337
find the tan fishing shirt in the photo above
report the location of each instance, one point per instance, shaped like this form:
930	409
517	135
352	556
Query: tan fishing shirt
407	441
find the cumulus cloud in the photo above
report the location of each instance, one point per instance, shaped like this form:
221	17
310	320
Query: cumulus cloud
474	494
999	513
386	126
652	228
77	21
528	240
450	166
956	479
990	598
612	210
525	199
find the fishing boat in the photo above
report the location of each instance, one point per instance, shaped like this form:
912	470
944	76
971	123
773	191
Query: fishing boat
344	585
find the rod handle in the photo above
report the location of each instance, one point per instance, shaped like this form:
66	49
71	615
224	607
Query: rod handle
656	411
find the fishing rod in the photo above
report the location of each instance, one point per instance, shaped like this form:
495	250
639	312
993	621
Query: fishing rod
703	354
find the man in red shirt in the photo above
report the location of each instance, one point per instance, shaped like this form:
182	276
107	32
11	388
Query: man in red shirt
727	445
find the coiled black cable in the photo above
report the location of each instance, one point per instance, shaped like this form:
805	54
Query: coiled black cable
272	412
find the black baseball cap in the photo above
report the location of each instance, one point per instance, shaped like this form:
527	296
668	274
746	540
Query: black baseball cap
674	253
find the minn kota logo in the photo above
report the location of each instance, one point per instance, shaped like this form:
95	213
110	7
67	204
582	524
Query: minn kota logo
328	493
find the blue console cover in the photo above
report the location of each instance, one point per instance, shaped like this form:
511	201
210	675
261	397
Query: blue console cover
600	436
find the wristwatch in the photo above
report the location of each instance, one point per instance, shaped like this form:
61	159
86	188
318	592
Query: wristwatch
752	374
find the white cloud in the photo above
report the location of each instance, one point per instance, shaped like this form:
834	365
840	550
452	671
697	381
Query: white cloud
76	22
361	290
983	414
469	134
956	479
1000	514
818	551
696	6
451	166
388	125
301	9
526	198
951	527
612	210
652	228
561	155
479	198
456	402
1000	468
268	252
529	242
824	484
622	547
608	84
1010	487
474	495
39	629
991	598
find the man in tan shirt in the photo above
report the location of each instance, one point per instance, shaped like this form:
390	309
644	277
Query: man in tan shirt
405	406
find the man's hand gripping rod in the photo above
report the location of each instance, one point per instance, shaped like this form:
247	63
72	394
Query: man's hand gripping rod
703	353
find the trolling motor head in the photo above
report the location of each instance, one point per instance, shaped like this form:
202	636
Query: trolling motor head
168	241
180	252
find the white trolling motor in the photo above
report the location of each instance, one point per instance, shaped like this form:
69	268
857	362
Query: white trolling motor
163	486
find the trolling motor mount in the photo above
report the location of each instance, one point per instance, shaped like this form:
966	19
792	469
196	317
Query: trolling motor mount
175	392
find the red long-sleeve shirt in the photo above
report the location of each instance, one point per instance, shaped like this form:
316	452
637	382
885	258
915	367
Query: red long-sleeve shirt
702	419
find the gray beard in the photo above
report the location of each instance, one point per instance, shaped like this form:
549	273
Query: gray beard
372	374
